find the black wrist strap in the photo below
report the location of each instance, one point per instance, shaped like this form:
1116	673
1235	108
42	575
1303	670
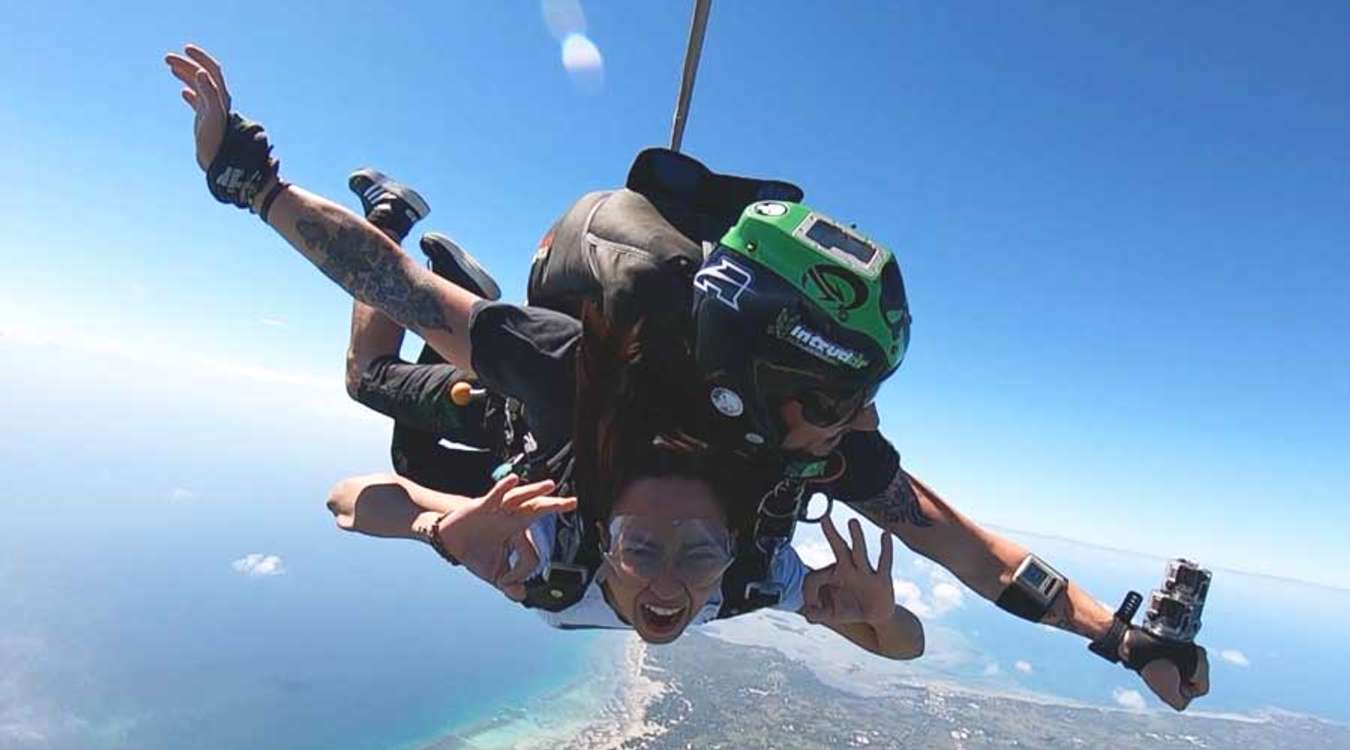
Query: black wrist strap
1020	603
1108	646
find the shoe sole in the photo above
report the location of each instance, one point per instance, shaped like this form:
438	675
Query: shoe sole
404	193
466	263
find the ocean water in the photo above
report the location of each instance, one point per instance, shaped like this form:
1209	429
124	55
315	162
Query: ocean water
125	623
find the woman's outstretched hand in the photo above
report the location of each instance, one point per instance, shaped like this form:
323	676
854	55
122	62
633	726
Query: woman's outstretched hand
850	590
204	90
483	533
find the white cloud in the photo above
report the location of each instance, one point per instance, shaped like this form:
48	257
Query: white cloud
946	597
814	553
273	322
1130	699
120	363
22	734
1023	666
179	493
991	669
910	596
1235	657
258	565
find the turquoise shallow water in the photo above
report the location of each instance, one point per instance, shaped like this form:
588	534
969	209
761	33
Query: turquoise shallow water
123	623
133	641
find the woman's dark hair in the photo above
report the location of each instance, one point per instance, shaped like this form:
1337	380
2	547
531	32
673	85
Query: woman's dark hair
638	409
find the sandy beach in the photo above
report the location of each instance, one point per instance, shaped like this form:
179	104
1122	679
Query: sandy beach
603	710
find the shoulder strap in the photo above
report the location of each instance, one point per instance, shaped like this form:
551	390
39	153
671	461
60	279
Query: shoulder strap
746	586
571	568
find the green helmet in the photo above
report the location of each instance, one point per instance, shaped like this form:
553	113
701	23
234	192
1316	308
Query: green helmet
793	305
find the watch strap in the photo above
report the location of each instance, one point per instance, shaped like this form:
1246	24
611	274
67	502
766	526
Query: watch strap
1108	646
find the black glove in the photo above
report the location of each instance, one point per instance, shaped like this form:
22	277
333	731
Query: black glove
1144	647
243	165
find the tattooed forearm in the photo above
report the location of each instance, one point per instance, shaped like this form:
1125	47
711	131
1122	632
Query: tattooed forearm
360	260
897	504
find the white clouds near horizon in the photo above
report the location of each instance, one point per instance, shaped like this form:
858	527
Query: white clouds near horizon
259	565
1129	699
1235	657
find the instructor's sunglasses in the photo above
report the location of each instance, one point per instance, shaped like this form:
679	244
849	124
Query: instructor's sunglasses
825	409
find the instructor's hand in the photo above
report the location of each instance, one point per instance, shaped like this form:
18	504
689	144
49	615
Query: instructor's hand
1164	678
482	533
204	90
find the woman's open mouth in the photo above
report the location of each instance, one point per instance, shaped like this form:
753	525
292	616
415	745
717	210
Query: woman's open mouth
660	621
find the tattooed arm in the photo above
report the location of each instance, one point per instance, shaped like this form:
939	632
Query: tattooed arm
983	560
349	250
371	267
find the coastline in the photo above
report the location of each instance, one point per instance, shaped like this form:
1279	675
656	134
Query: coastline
605	708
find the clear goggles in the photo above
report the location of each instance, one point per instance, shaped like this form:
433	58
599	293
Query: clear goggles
697	551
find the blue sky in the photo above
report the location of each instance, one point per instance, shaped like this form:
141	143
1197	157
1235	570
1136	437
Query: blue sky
1123	229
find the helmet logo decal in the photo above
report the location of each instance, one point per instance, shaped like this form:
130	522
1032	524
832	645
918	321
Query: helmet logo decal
789	328
835	288
771	208
725	281
727	402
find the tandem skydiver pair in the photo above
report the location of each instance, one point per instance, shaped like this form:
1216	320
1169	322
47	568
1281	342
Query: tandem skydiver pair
738	392
637	551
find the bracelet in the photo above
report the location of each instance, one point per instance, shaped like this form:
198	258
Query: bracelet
435	541
271	197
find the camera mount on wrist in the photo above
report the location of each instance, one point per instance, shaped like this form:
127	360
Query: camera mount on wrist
1171	622
1174	609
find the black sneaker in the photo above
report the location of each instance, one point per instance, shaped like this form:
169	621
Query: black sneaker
452	263
389	205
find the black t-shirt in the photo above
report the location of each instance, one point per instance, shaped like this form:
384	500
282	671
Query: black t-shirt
529	354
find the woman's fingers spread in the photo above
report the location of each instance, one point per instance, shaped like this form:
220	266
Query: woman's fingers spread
811	587
524	493
887	559
527	559
841	555
493	499
859	545
541	506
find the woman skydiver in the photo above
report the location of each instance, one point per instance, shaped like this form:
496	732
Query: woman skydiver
650	495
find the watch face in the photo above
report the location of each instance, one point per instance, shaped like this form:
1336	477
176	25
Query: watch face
1034	576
